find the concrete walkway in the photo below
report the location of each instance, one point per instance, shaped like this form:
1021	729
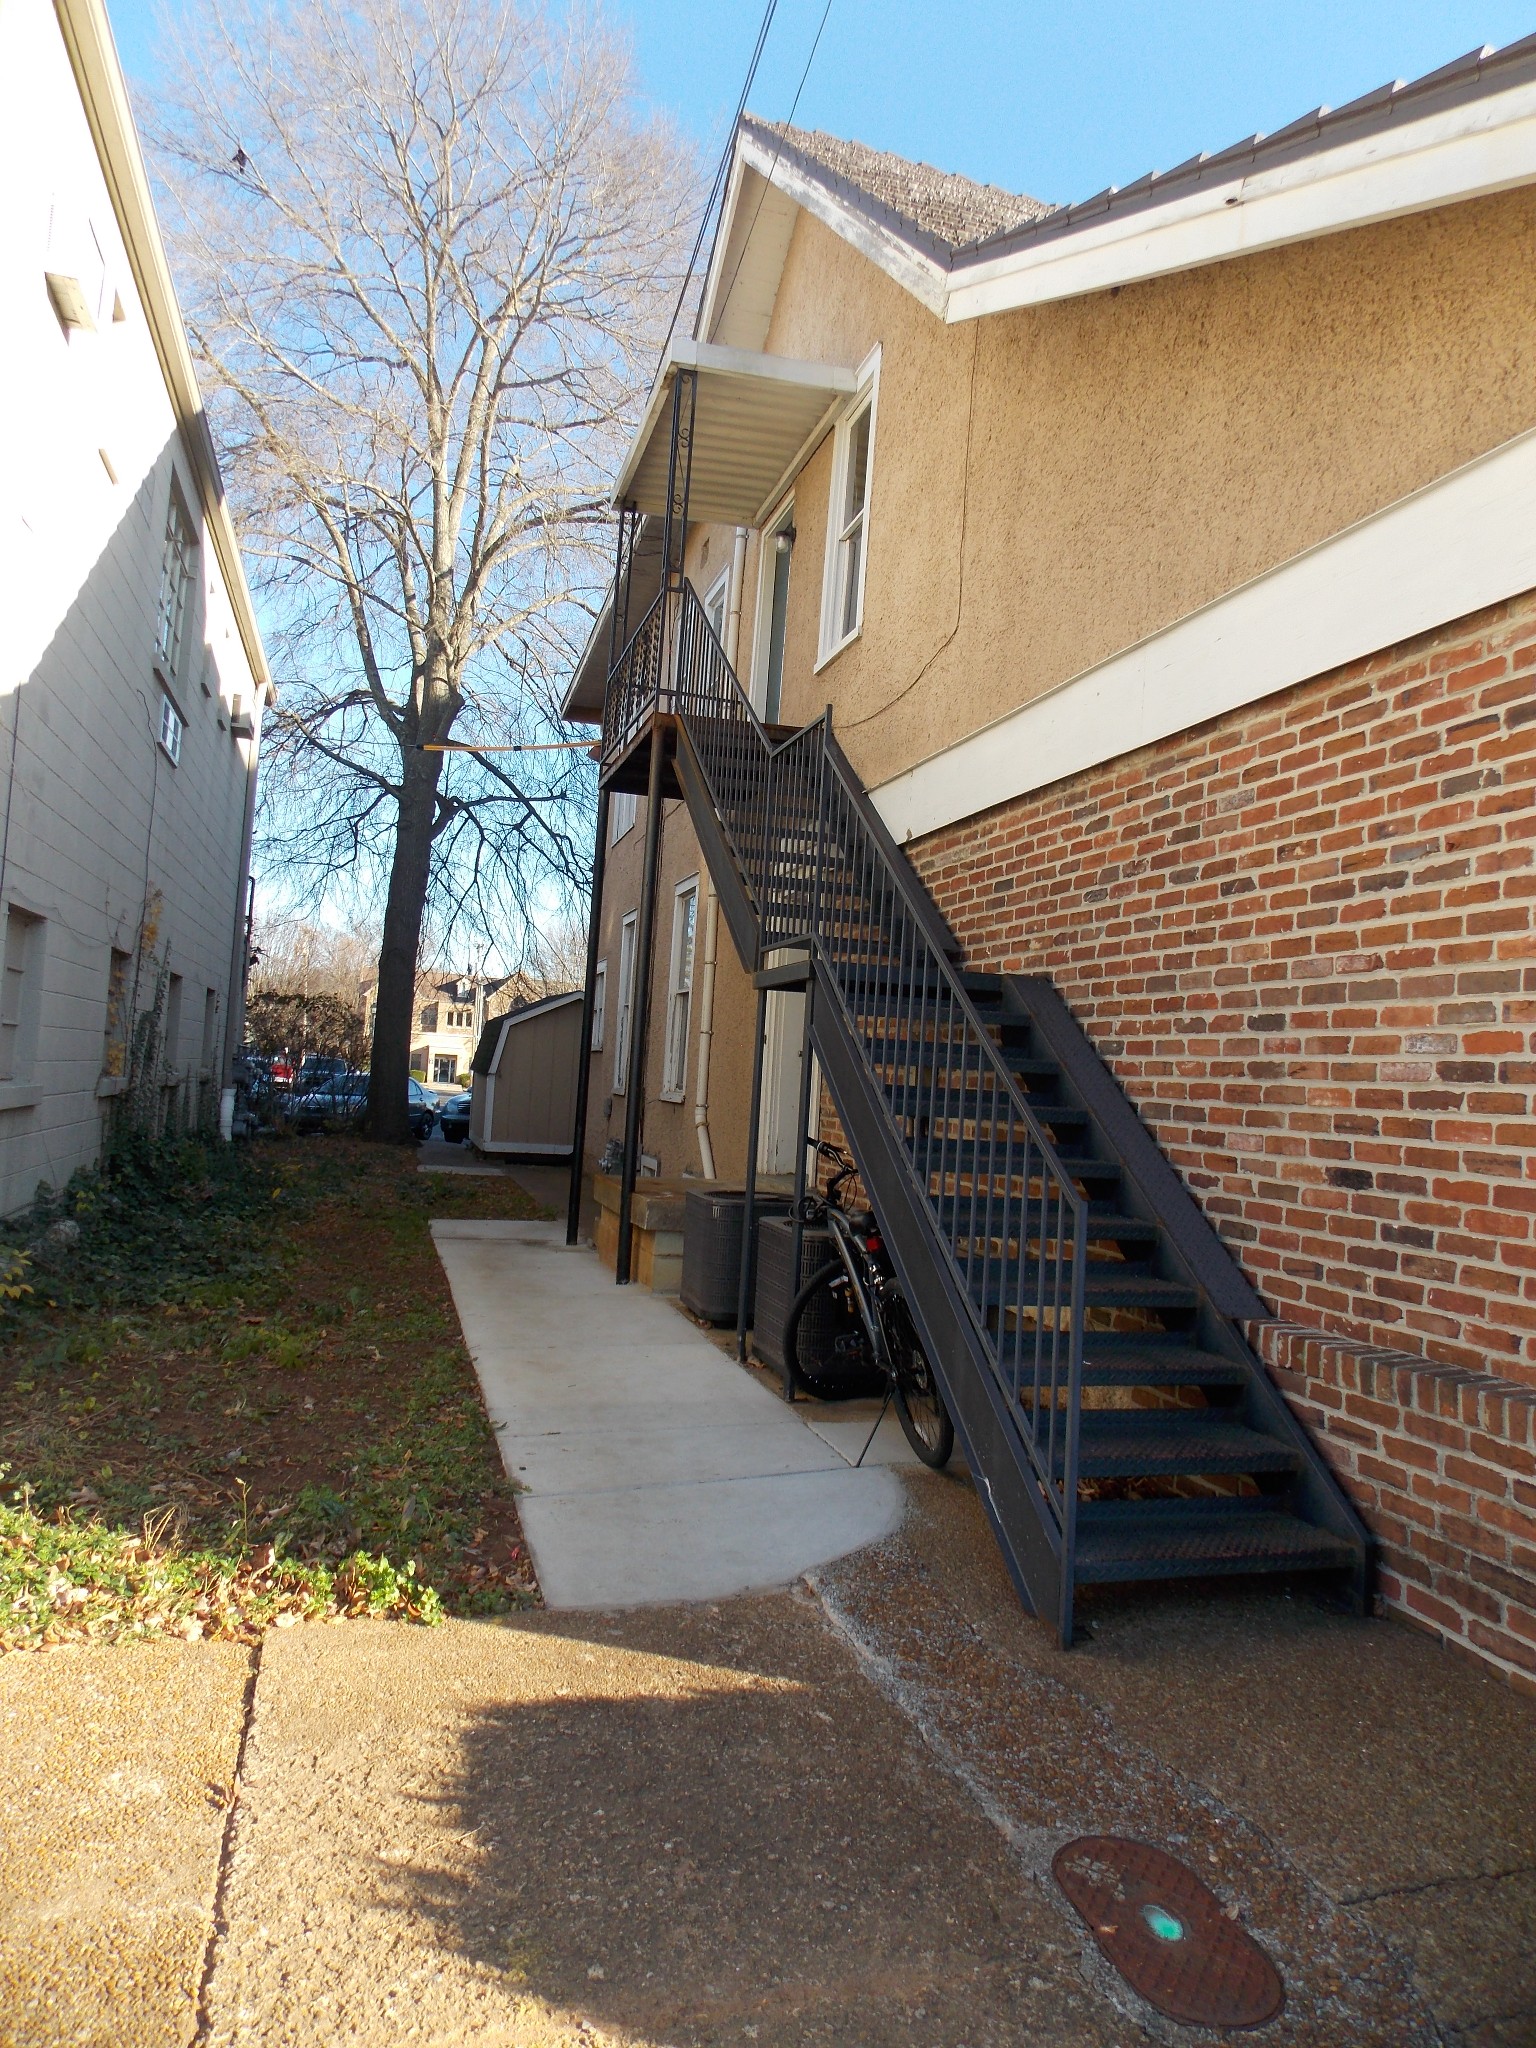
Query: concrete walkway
651	1469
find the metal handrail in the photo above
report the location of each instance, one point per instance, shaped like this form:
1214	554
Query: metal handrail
816	866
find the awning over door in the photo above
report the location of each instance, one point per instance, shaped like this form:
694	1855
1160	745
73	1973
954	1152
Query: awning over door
757	417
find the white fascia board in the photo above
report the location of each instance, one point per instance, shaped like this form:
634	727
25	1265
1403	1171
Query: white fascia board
926	280
1467	152
712	359
1462	542
93	58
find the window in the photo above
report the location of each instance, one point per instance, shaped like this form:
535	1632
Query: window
445	1066
842	612
626	1004
114	1054
176	576
171	728
623	806
717	603
685	917
429	1017
460	1020
599	1005
19	983
173	1023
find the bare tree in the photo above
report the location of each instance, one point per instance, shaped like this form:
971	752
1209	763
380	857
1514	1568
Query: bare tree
428	247
292	955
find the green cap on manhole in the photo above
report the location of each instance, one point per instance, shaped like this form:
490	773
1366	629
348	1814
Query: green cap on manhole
1162	1923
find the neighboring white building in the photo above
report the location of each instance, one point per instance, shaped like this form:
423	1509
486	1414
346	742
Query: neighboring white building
446	1023
132	677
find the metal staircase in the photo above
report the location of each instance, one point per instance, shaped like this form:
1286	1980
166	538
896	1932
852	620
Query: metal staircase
1081	1313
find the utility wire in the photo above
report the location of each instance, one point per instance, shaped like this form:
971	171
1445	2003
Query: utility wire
778	148
722	172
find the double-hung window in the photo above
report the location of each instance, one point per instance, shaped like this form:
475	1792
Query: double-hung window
623	807
848	525
171	728
20	976
626	1003
178	571
685	918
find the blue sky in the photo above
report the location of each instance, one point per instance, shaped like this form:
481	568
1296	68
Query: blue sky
1052	100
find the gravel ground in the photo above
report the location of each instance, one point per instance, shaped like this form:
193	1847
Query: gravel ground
818	1816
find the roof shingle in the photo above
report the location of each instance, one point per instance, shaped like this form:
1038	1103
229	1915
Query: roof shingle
941	206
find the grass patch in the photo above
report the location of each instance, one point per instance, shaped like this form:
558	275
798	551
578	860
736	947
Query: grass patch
237	1391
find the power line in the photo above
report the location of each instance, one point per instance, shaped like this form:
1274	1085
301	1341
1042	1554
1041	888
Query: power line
722	169
777	152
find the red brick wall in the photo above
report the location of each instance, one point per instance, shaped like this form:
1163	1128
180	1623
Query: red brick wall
1301	935
1441	1462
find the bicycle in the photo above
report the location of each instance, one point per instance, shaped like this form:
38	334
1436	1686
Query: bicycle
854	1304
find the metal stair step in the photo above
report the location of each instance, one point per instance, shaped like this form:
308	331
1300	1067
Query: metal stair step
1176	1539
1107	1283
1149	1361
966	1216
1130	1443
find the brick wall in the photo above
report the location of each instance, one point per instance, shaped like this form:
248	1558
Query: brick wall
1301	936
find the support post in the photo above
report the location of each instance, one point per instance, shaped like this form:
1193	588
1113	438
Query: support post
640	1006
749	1205
802	1129
588	1014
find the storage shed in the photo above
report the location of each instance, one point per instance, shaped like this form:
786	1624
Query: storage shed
523	1091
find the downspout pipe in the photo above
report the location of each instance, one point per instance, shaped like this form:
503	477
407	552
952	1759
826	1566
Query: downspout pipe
712	895
240	962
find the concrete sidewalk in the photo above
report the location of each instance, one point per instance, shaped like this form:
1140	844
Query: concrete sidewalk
651	1469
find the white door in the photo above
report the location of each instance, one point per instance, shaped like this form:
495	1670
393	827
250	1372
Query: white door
783	1043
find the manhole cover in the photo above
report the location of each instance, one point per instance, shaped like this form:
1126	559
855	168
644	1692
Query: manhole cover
1166	1934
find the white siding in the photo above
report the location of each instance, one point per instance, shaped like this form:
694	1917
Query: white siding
93	815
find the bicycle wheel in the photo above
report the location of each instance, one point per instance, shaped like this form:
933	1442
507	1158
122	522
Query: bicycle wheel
826	1345
920	1409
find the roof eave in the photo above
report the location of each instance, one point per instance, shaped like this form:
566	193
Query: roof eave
104	96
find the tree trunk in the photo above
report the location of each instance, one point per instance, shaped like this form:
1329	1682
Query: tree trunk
395	1014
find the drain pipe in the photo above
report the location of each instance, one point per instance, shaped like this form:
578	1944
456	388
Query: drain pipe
712	895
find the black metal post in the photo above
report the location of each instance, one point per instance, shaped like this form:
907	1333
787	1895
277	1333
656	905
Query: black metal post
749	1205
640	1005
802	1135
674	538
588	1013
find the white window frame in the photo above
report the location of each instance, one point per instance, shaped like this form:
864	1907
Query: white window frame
21	973
680	973
834	581
599	1006
172	729
178	579
623	809
628	941
718	598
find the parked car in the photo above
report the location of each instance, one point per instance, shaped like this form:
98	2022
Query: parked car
319	1070
339	1103
453	1118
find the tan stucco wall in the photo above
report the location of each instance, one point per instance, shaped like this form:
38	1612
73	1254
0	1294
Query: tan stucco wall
1133	454
669	1134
